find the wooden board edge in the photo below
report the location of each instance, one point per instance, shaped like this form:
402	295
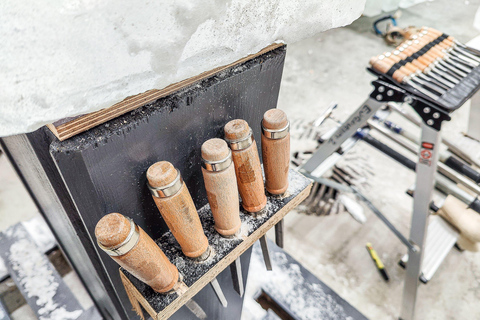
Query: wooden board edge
136	298
230	258
91	120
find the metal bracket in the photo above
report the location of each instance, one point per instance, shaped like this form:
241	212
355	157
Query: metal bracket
432	115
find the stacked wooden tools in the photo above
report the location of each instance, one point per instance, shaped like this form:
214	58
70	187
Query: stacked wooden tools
430	62
230	167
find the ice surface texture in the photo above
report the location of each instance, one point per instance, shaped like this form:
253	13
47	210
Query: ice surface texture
376	7
70	57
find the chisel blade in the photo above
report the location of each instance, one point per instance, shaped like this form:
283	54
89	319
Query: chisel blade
459	68
218	291
446	84
467	54
196	309
452	69
237	277
266	254
423	90
429	85
279	233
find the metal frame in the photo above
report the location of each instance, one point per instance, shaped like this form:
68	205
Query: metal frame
425	182
432	118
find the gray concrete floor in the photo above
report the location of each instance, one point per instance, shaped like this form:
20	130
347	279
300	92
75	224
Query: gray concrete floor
331	67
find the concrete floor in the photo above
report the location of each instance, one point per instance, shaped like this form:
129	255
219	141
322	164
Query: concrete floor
331	67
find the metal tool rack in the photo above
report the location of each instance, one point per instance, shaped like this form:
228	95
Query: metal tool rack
433	113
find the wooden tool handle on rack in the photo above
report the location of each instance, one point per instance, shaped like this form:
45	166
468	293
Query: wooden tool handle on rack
383	67
276	150
177	209
247	165
137	252
221	184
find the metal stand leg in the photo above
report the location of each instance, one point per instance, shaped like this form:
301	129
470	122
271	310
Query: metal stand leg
426	169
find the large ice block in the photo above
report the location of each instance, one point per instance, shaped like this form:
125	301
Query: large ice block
62	58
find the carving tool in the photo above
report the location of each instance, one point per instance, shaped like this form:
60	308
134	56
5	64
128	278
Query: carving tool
410	70
221	186
136	252
441	182
427	69
401	76
439	84
378	262
434	58
445	156
248	170
178	210
441	167
451	146
276	157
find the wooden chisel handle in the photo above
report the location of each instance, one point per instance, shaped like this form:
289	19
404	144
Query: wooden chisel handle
221	185
276	150
177	209
136	252
247	165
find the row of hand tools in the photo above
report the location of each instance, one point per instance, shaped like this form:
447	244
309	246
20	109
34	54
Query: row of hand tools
230	167
430	62
455	167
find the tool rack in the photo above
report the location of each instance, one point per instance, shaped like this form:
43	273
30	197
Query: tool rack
432	113
226	251
75	182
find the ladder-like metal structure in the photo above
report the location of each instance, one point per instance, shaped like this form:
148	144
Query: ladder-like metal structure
433	113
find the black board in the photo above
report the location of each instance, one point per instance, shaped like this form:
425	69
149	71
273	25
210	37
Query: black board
103	169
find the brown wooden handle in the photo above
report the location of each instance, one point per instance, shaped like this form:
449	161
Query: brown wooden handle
399	76
247	165
381	66
393	57
178	210
221	185
415	62
275	152
145	260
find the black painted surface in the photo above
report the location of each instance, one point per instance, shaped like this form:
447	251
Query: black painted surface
104	168
40	141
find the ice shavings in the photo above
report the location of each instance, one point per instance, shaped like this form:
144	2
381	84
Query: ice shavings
306	300
191	270
63	58
38	281
376	7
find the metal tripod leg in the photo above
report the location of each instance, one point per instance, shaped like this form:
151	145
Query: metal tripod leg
425	181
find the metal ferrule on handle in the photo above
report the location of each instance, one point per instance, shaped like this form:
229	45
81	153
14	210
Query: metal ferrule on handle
241	144
168	190
128	244
218	165
276	134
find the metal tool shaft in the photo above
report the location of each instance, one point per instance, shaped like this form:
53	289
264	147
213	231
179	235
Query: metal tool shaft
196	309
265	253
237	276
279	227
218	291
